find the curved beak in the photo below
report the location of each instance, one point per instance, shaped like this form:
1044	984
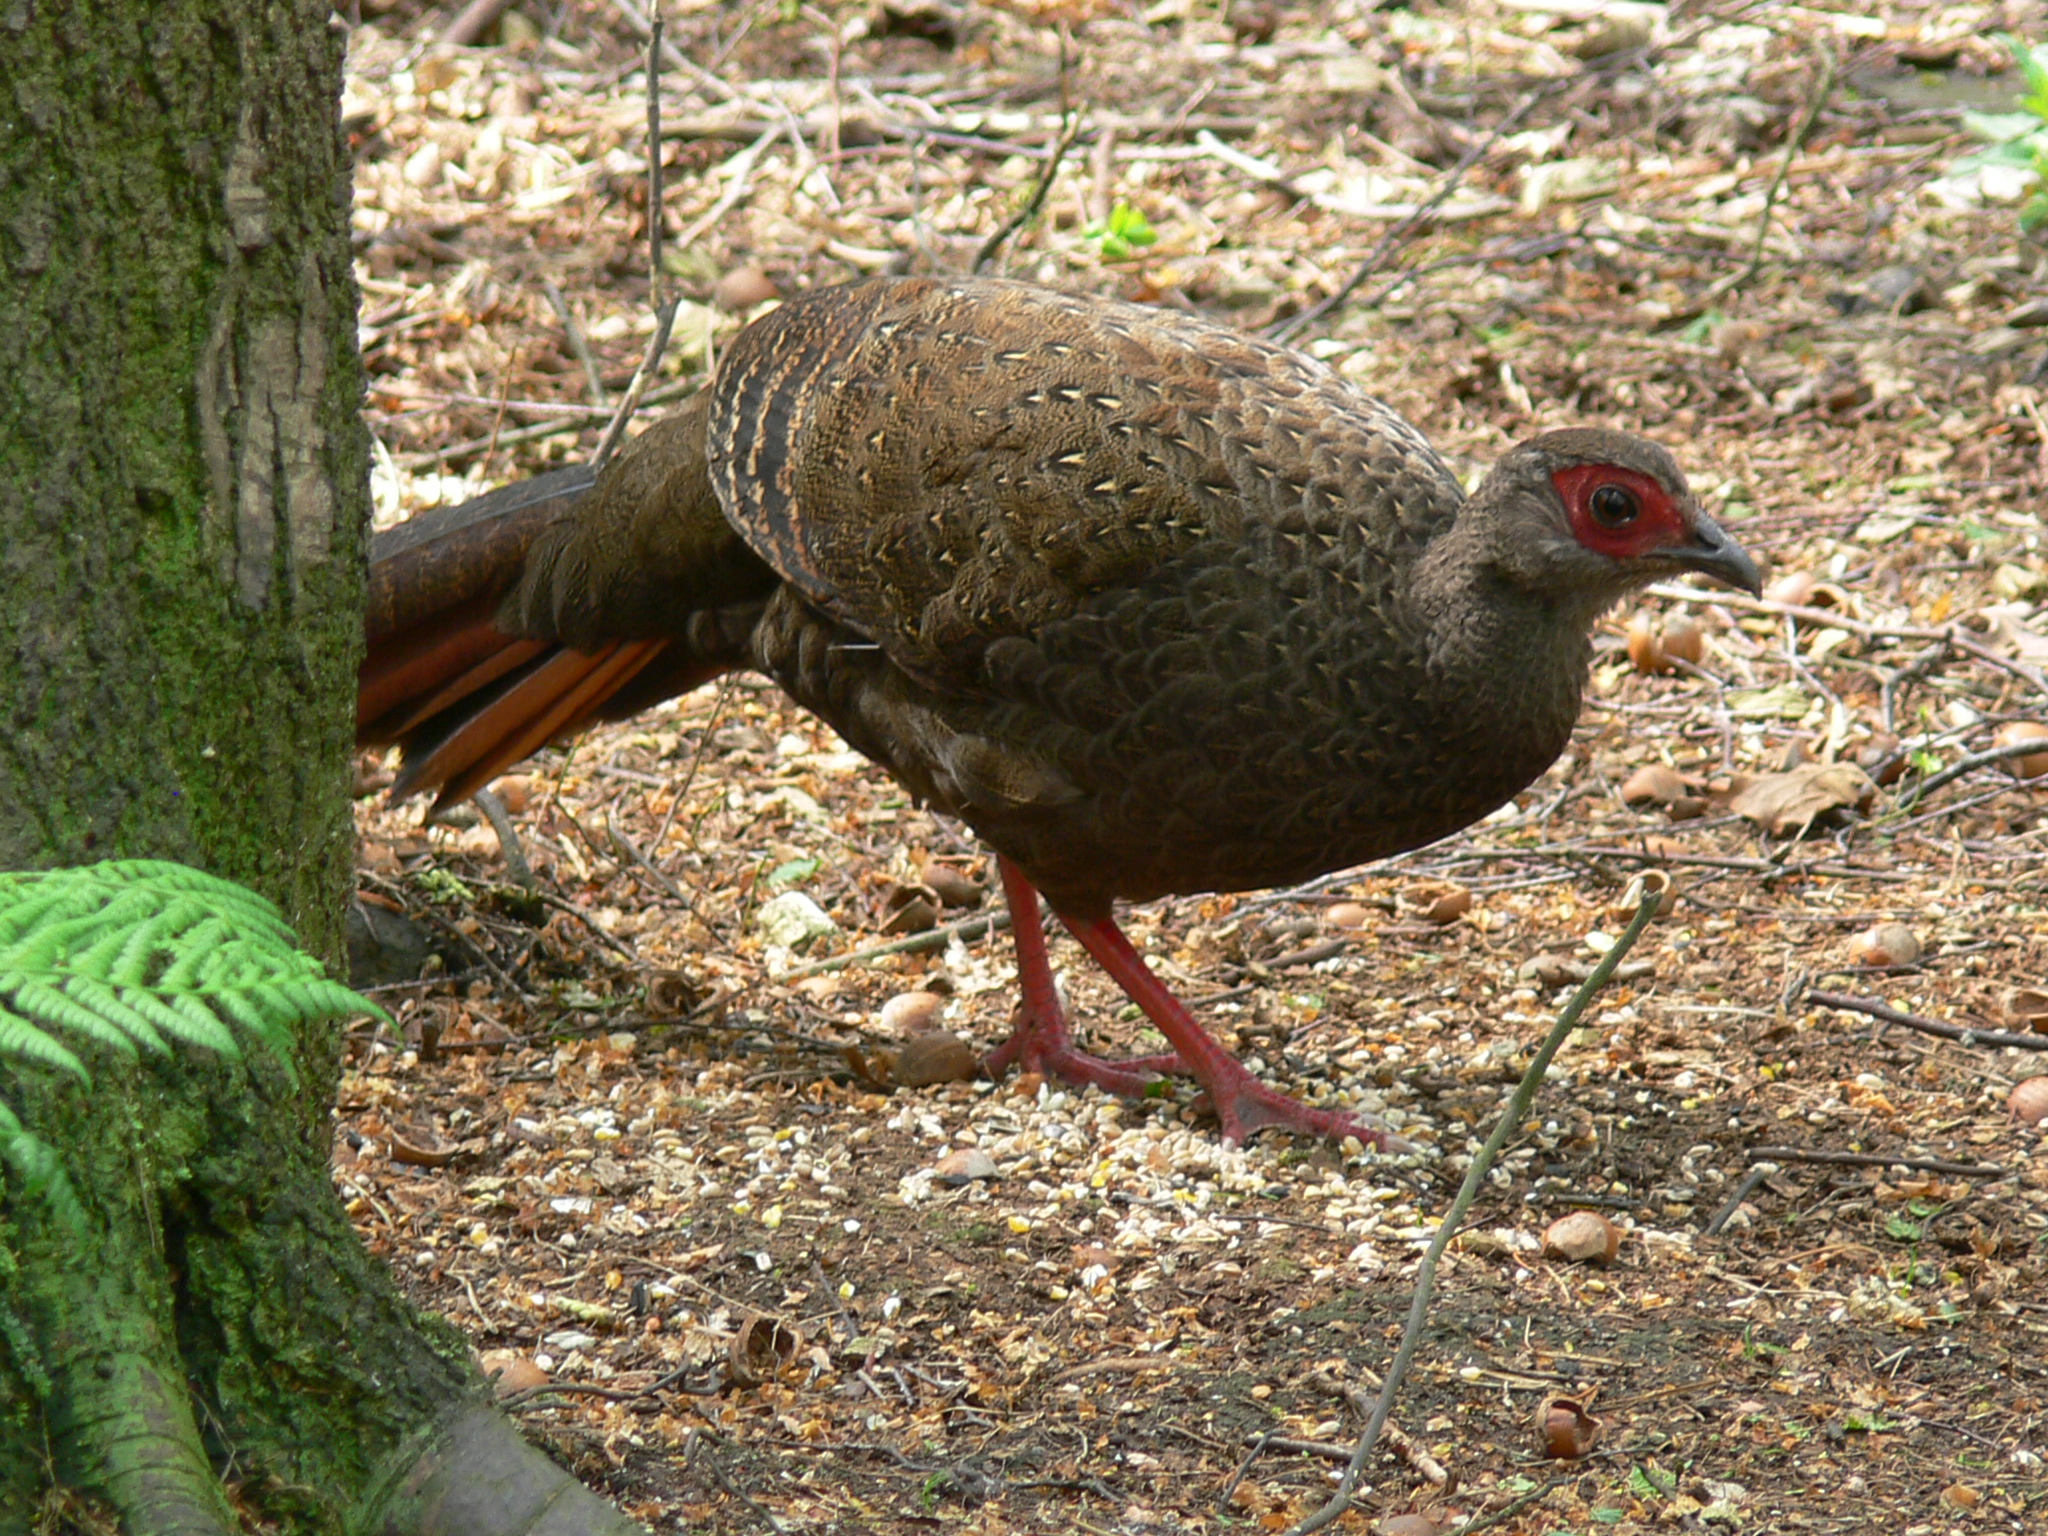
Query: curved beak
1712	553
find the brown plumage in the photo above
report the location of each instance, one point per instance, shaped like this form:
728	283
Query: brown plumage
1155	606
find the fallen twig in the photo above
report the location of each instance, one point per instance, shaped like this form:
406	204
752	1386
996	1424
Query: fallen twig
1453	179
1963	1033
1649	889
575	422
664	307
514	855
931	938
1970	764
1952	635
1793	143
1880	1160
1748	1187
472	22
578	343
1033	203
631	850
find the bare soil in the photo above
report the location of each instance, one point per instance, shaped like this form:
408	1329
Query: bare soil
656	1164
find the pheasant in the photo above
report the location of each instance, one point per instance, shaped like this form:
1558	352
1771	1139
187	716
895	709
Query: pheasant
1154	606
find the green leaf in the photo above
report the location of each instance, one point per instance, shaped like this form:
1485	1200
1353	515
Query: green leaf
1122	233
791	873
2000	127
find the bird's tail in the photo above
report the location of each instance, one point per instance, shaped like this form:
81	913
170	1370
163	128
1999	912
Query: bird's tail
499	625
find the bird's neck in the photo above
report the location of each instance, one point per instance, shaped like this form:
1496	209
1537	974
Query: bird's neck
1511	660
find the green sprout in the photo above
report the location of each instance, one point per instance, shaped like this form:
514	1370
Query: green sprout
1122	234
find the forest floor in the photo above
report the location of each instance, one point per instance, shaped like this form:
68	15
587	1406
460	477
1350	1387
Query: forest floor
653	1162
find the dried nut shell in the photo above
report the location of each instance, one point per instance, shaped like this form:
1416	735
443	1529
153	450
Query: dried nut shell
1622	909
1566	1430
1551	970
1794	588
1654	783
1683	640
2029	1101
760	1350
1582	1237
1348	915
742	288
2025	1008
912	1013
1645	649
966	1165
911	909
936	1056
2011	734
1436	903
953	886
511	1371
1886	944
1882	759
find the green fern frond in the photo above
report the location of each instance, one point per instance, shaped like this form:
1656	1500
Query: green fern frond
41	1171
39	1001
20	1038
135	953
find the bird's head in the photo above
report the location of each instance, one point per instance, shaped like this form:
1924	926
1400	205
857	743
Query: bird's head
1585	516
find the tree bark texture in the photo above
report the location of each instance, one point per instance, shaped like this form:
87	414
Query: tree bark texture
182	515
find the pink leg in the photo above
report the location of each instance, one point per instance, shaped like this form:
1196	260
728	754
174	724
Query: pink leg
1245	1105
1041	1041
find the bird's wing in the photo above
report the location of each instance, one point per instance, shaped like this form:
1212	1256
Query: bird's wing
938	463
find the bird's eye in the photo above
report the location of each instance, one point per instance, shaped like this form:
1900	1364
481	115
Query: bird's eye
1615	506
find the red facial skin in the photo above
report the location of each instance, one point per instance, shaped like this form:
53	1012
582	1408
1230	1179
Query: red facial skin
1658	523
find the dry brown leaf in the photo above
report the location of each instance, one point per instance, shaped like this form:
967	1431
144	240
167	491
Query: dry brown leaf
761	1348
1792	802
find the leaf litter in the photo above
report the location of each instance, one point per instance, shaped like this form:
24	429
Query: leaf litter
638	1143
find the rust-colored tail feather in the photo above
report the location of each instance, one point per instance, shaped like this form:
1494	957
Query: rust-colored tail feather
556	694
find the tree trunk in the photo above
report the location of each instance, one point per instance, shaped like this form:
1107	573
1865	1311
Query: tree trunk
182	514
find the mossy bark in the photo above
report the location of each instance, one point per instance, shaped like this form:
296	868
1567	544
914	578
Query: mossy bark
182	513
